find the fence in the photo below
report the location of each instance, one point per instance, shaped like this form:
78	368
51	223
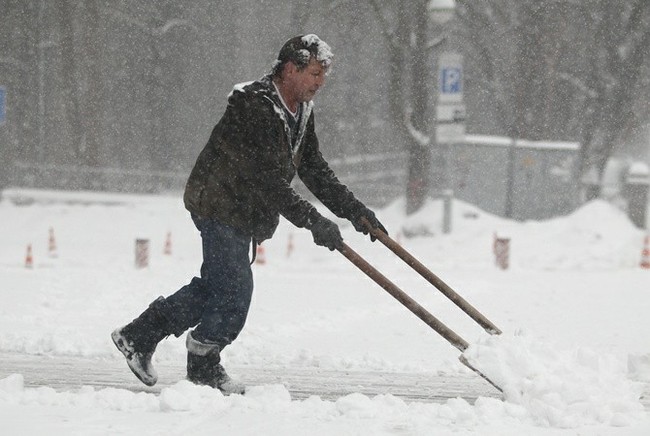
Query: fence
479	170
76	177
375	178
534	179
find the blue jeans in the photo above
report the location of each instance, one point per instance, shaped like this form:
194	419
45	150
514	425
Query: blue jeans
217	302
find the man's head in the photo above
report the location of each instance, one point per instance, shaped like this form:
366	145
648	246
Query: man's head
300	70
299	51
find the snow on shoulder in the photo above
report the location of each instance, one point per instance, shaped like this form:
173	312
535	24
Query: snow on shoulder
239	87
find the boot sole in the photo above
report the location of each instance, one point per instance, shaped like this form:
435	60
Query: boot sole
119	344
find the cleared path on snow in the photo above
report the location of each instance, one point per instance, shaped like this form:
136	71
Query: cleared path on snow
65	373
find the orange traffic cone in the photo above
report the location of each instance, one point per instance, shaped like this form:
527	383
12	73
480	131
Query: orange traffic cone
645	254
29	259
260	258
51	244
168	244
290	245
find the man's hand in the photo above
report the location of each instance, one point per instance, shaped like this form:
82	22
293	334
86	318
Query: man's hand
327	234
357	222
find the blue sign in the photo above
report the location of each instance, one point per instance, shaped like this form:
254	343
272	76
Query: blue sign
3	104
451	80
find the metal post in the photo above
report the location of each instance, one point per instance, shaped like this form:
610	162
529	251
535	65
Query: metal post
510	179
41	83
446	217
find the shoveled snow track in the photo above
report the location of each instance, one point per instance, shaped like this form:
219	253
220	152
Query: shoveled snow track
65	373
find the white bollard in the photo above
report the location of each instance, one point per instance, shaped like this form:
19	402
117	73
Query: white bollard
141	253
501	250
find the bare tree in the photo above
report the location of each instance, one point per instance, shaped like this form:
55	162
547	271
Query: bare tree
18	61
618	51
500	40
82	83
405	28
560	69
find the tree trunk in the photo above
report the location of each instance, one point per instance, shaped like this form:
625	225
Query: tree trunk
92	97
419	155
71	89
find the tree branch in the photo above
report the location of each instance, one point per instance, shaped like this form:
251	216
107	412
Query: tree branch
174	22
578	84
385	26
420	138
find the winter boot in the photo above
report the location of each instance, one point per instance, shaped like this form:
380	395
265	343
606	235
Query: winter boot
138	340
204	368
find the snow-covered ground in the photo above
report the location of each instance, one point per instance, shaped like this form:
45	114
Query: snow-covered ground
574	307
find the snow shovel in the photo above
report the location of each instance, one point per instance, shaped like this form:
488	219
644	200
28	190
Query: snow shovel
413	306
432	278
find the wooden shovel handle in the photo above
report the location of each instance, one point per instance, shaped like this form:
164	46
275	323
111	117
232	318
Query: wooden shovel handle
403	298
432	278
413	306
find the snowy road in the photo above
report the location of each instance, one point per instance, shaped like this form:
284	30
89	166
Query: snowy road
64	373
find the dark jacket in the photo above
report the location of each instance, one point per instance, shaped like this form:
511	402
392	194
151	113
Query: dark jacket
242	177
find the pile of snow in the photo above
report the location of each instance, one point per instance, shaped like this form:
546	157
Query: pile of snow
596	236
559	388
638	366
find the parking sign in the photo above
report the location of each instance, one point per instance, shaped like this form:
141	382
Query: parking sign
3	105
450	80
450	74
450	110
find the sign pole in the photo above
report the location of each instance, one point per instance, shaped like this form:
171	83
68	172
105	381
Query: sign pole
3	104
450	119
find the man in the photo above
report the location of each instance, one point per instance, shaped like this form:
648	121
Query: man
236	191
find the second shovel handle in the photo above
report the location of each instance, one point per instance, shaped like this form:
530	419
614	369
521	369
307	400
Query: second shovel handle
432	278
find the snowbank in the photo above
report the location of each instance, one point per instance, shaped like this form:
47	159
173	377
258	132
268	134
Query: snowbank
574	286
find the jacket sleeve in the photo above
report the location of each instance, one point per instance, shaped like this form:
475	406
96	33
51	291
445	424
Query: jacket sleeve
265	167
319	178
